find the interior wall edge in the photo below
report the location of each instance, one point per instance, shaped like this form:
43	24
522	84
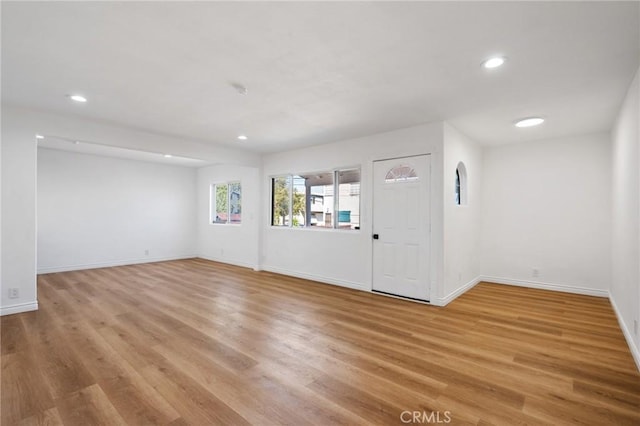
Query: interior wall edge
18	308
122	262
228	261
635	352
564	288
317	278
444	301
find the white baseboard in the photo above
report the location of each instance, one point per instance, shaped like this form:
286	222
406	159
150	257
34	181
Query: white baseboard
18	308
635	351
319	278
229	261
546	286
444	301
49	270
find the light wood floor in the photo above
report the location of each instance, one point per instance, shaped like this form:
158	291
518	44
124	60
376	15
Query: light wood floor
201	343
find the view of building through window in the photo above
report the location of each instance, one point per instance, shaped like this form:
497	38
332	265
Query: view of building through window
226	203
310	200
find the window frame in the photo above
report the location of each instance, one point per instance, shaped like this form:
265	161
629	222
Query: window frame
461	185
458	188
336	191
213	208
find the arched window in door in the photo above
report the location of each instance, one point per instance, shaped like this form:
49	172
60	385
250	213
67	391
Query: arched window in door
400	173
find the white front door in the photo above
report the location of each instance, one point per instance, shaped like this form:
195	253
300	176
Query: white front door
401	226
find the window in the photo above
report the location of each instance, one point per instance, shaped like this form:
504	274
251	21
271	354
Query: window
222	196
226	203
349	199
235	202
400	173
320	200
298	203
281	201
461	185
457	186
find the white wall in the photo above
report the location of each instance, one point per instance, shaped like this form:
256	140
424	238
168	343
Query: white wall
100	211
18	215
344	257
235	244
2	290
625	284
546	205
461	222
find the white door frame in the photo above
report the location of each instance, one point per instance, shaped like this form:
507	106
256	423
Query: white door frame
425	277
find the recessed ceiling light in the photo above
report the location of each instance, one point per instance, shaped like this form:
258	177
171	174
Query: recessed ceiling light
493	62
529	122
39	137
168	156
78	98
243	137
76	142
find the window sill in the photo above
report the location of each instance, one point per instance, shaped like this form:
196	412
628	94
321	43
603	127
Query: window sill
317	229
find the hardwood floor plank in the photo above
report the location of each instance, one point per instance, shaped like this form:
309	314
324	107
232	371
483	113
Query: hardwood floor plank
355	399
61	367
194	402
14	337
257	394
126	390
488	413
100	360
88	406
41	324
22	393
627	380
348	355
60	307
137	401
427	365
605	394
133	349
557	408
49	417
194	342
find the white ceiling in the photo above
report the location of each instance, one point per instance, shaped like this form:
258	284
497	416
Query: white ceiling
320	72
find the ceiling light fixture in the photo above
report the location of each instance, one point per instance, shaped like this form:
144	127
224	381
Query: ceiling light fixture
494	62
76	142
243	137
168	156
78	98
39	137
529	122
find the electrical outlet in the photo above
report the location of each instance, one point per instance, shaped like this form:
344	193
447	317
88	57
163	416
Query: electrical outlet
14	293
535	272
146	252
221	252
